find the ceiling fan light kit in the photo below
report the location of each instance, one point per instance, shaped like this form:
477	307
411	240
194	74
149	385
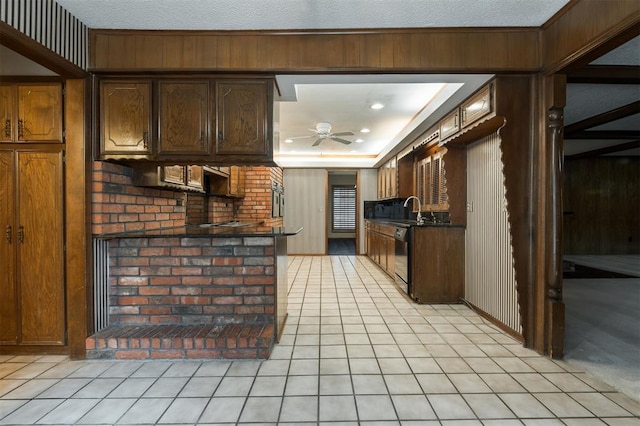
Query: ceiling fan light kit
322	132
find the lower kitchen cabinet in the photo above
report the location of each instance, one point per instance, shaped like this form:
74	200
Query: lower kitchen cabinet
381	246
32	307
437	265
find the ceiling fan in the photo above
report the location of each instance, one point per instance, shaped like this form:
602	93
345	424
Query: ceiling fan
323	131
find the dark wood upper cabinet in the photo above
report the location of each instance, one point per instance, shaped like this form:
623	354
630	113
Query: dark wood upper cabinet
242	119
31	113
125	119
187	121
183	118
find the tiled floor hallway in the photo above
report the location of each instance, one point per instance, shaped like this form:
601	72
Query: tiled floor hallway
354	351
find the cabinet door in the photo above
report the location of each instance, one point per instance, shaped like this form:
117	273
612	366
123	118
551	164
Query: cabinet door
184	118
40	113
125	118
195	177
40	248
393	178
236	180
241	119
172	174
7	114
450	125
8	304
477	107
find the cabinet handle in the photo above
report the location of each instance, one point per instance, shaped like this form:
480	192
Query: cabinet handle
8	234
20	129
7	128
144	140
21	234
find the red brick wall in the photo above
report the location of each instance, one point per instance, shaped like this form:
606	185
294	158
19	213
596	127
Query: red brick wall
118	206
192	281
256	204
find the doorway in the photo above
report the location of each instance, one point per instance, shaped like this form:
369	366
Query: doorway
342	212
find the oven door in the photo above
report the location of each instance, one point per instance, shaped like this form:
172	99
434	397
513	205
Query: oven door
402	260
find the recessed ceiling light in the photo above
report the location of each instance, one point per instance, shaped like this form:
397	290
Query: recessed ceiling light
359	140
288	141
377	105
364	130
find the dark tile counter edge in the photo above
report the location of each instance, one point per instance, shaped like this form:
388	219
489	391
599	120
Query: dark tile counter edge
195	231
413	224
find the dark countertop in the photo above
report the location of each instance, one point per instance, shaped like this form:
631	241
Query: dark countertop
413	224
196	231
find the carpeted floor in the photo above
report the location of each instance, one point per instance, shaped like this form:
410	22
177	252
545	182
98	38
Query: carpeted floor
602	327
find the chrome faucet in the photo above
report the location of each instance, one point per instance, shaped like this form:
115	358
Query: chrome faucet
419	215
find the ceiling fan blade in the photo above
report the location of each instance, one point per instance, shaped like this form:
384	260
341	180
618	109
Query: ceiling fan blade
343	134
344	141
317	142
302	137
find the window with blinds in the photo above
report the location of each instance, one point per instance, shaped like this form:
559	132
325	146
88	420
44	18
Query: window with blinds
344	208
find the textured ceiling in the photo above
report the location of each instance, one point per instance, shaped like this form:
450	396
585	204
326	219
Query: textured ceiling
309	14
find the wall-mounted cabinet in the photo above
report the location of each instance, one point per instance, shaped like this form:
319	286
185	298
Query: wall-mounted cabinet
431	182
450	125
221	121
31	113
178	177
478	106
227	181
388	180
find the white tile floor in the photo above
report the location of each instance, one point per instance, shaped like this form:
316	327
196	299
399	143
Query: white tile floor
354	352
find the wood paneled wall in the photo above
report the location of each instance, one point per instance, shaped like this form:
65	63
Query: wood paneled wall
600	203
438	50
306	191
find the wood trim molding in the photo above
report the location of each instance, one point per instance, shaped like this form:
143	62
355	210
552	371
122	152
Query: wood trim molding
77	217
587	30
605	117
605	74
607	150
604	134
380	50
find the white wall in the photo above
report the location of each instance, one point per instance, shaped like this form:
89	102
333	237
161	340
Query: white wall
305	194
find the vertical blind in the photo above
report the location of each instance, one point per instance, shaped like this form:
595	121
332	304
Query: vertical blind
344	208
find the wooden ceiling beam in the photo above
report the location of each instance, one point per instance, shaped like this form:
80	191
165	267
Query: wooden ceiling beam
605	74
606	150
600	119
604	134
